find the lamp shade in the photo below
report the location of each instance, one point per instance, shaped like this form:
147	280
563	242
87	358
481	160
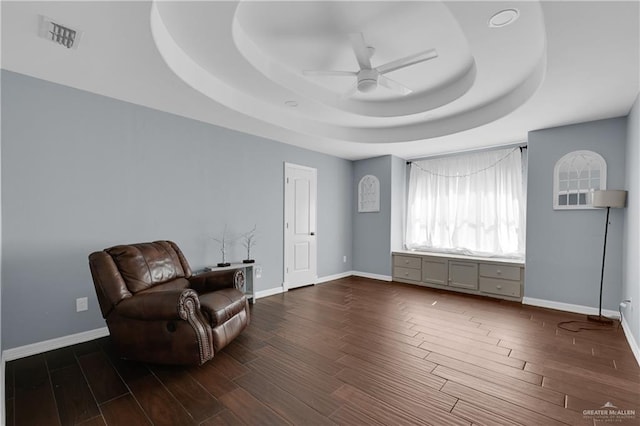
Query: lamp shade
610	198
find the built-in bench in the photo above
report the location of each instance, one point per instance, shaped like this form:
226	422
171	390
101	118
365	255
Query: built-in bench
494	277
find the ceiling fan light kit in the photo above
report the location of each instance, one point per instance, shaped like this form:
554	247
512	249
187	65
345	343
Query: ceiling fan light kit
369	78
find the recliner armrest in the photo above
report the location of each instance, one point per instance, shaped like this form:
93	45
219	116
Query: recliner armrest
161	305
217	280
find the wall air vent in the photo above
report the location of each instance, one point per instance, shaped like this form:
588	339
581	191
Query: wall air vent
59	34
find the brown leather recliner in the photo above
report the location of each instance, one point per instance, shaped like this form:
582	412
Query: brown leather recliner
158	311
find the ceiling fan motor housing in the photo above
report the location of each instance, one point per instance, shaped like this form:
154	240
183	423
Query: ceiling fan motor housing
367	80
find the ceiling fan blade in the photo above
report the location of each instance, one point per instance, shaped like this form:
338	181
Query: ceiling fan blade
349	93
393	85
407	61
329	72
363	54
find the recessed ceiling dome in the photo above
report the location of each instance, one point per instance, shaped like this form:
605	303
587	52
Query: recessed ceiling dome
252	56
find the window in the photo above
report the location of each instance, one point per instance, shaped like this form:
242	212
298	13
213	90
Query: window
575	177
369	194
469	204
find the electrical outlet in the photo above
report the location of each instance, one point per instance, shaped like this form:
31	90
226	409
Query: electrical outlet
258	271
82	304
344	259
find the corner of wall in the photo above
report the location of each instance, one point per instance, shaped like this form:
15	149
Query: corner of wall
631	245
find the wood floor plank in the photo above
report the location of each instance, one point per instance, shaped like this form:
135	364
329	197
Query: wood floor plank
94	421
481	368
530	400
464	353
61	358
348	415
439	332
310	357
374	408
239	352
194	398
480	416
392	360
304	391
124	411
32	384
74	399
250	410
288	366
499	407
588	390
224	418
283	403
158	404
227	365
352	351
404	395
505	384
102	377
457	342
383	345
212	379
393	371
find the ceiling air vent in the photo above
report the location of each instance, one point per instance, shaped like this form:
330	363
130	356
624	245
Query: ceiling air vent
58	33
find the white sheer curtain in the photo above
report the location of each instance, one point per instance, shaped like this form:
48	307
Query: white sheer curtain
469	204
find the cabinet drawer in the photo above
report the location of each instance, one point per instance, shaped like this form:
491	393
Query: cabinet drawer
500	271
407	262
501	287
406	273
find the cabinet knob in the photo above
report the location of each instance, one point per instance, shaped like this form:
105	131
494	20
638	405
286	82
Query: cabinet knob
406	274
498	287
498	272
406	261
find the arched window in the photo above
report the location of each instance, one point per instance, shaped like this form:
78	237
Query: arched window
575	177
369	194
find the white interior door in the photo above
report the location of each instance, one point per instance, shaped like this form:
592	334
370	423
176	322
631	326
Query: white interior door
300	244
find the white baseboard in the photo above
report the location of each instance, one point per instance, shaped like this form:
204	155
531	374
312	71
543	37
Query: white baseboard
568	307
334	277
632	341
49	345
372	276
269	292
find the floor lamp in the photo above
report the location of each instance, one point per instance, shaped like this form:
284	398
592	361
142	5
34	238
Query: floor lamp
606	199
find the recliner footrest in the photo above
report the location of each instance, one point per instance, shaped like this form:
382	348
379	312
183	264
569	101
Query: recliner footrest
219	306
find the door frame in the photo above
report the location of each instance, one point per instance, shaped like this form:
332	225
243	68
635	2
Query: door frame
287	243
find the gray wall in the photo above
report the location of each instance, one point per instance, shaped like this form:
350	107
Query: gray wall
564	248
81	172
371	231
398	201
375	235
631	279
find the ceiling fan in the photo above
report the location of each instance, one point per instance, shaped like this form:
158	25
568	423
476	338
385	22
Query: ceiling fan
369	78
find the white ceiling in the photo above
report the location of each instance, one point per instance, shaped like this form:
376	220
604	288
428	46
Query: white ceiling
236	63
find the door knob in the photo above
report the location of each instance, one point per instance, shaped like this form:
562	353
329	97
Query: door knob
313	233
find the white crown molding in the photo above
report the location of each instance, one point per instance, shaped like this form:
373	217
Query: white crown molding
51	344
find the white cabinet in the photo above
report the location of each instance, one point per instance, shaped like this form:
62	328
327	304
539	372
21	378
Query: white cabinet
434	270
502	278
407	268
463	274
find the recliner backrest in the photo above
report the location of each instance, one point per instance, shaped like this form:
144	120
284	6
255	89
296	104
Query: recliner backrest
145	265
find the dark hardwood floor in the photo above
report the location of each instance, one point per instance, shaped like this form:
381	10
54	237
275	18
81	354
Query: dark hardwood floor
352	351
